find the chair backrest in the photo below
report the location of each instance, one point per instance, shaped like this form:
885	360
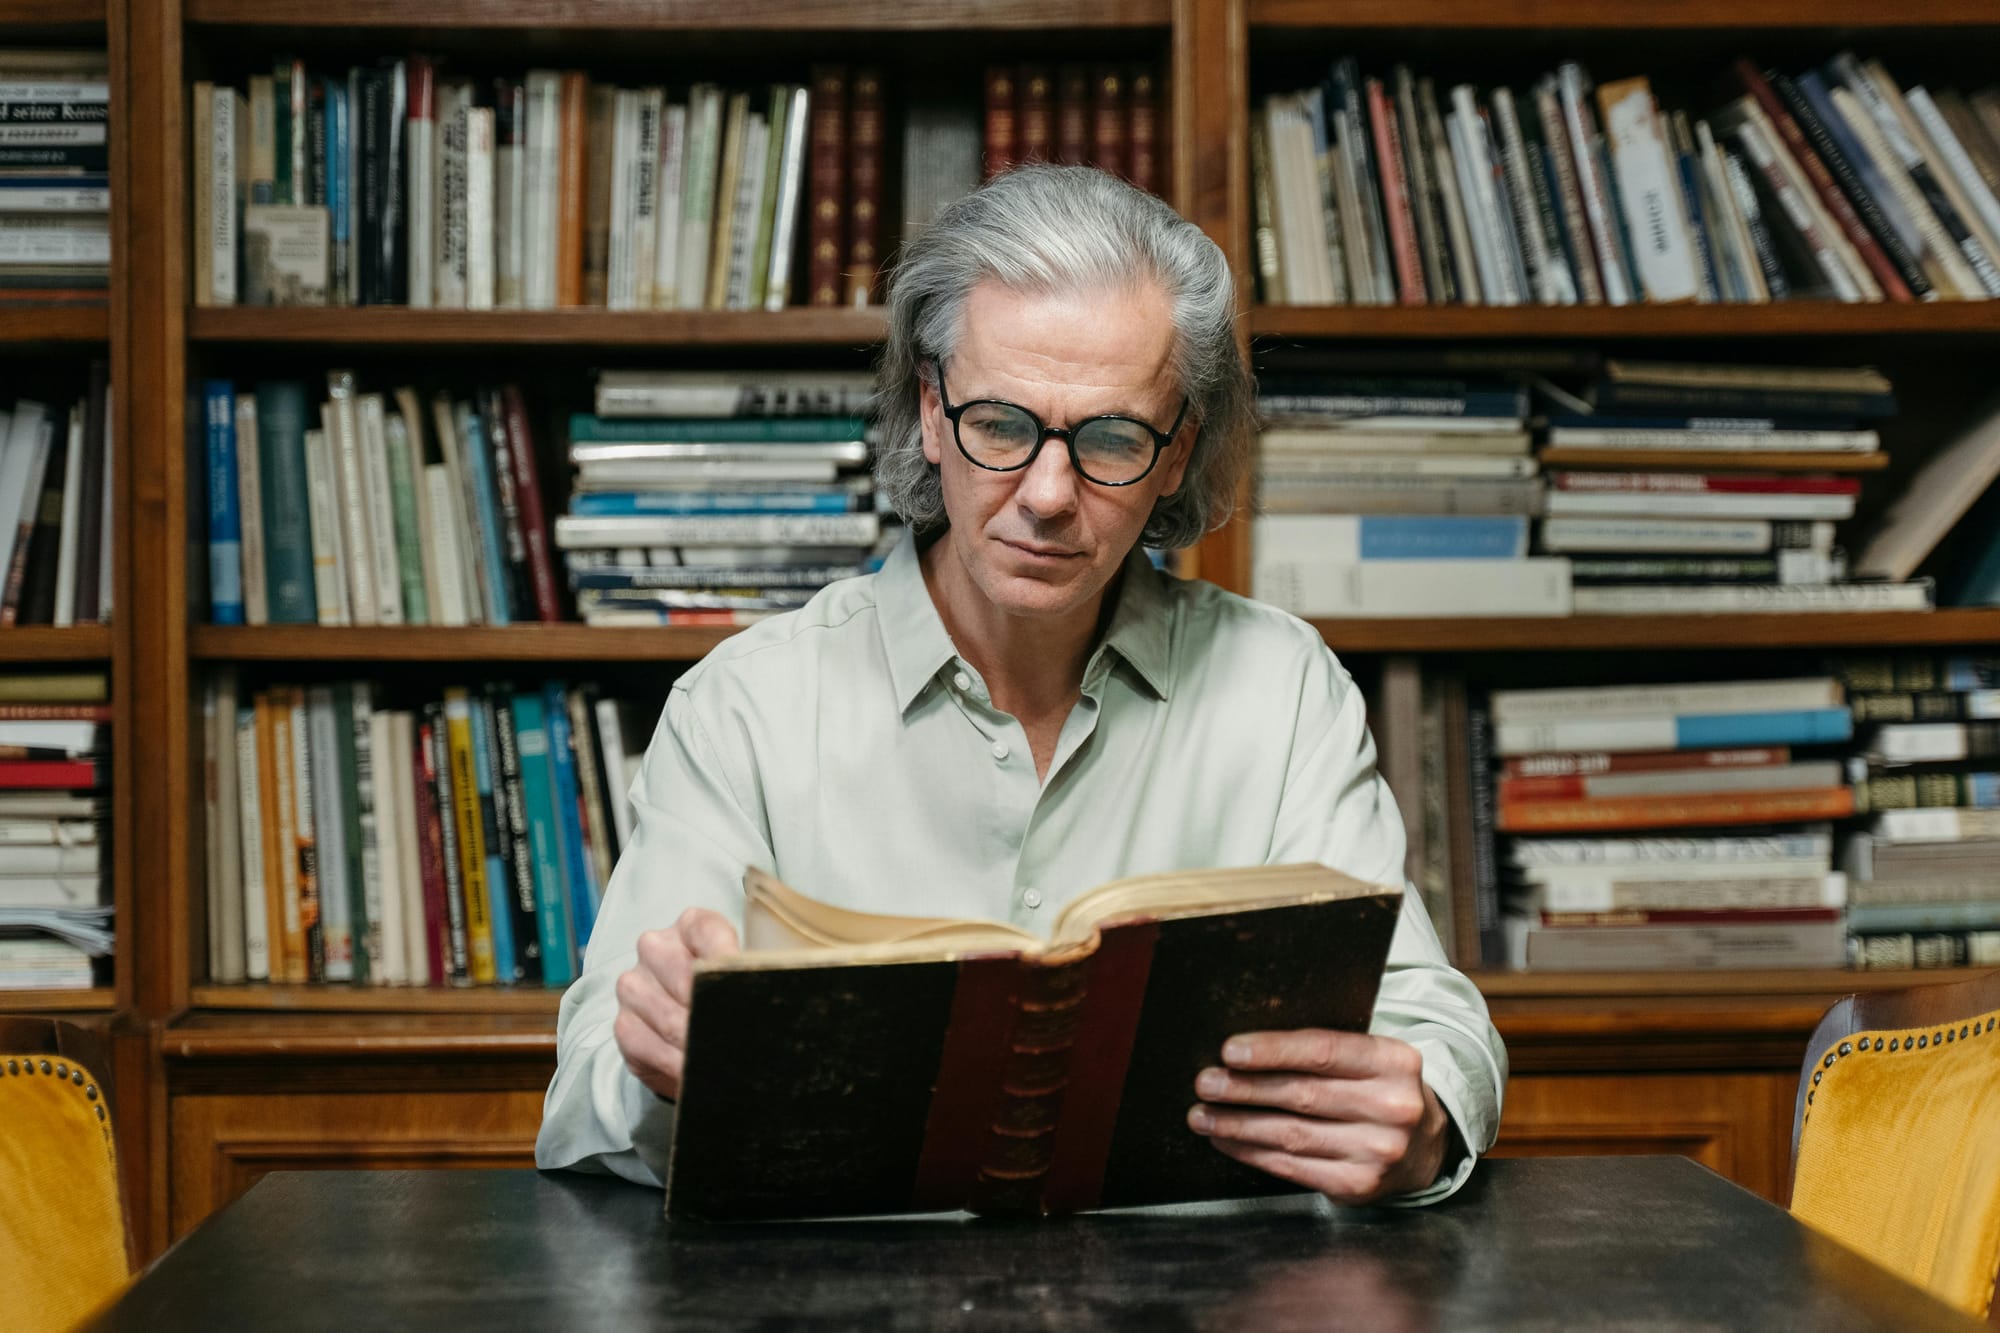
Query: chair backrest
1896	1137
63	1245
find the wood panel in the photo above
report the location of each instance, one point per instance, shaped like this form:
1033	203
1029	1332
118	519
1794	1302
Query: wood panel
394	326
1738	1125
1792	319
634	15
565	642
45	643
1595	14
67	323
380	999
222	1144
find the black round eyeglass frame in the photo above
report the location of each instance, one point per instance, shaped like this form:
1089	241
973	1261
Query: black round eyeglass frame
1067	436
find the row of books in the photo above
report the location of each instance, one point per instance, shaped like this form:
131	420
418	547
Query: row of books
398	184
55	186
393	510
462	840
1658	488
1105	116
1756	823
696	502
56	912
55	509
1838	183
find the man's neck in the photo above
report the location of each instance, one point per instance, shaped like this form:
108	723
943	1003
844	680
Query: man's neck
1033	668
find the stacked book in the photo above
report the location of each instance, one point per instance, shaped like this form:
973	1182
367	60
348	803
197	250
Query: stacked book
1673	825
1399	497
55	506
1713	488
1104	116
55	186
375	509
1837	184
1924	866
55	895
398	184
717	498
459	840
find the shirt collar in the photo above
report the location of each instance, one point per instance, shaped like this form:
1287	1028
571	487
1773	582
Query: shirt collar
917	647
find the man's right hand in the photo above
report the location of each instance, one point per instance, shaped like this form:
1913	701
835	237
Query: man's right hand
653	997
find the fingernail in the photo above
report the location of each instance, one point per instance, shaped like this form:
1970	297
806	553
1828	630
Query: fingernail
1200	1121
1211	1083
1236	1052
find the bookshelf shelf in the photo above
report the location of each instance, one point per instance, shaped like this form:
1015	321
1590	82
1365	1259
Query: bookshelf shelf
40	643
97	999
1790	319
1858	629
54	323
378	999
310	1036
510	643
1595	15
1811	987
652	15
393	326
52	13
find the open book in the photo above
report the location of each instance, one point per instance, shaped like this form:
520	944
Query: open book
851	1064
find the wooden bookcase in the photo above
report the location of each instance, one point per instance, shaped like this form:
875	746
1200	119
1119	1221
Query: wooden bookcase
221	1083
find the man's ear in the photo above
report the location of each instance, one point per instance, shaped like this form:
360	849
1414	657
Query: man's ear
930	419
1174	461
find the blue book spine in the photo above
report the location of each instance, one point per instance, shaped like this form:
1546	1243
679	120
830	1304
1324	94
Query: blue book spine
544	843
1704	247
499	886
492	554
225	519
1401	537
281	452
583	888
1802	726
1812	86
339	186
585	428
634	504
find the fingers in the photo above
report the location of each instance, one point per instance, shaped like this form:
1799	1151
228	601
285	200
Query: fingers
1299	1136
641	995
1343	1182
1395	1100
652	1060
1317	1051
707	934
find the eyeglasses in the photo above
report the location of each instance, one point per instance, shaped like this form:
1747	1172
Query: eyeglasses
1109	450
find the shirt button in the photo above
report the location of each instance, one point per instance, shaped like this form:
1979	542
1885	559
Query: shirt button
1033	898
999	749
962	681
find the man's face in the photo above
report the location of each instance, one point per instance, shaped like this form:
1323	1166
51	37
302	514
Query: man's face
1043	542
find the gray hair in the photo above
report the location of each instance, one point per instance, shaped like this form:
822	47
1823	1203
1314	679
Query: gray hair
1057	229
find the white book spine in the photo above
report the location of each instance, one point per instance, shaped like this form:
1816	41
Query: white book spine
222	198
698	195
402	749
382	855
1952	152
384	566
621	270
107	529
1497	275
1403	588
336	905
350	479
213	799
1937	825
645	221
1732	234
23	434
1697	893
1754	599
1444	169
1653	214
454	102
510	221
422	204
1836	254
611	739
250	850
72	512
439	496
1736	696
743	212
542	183
410	413
1546	265
479	275
464	525
667	244
1563	504
1573	89
329	583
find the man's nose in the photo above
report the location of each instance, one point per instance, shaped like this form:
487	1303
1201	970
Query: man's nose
1049	485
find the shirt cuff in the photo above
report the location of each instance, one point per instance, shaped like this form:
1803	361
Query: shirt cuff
1441	1076
650	1118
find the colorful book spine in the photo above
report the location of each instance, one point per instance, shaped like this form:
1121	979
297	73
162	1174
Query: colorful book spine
281	449
492	551
583	884
538	794
225	528
469	827
498	880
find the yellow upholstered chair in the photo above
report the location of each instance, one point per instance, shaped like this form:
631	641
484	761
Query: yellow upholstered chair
1896	1139
63	1248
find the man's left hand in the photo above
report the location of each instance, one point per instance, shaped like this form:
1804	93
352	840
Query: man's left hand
1343	1113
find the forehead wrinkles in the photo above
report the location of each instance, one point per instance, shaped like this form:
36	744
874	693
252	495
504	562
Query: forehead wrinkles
1054	354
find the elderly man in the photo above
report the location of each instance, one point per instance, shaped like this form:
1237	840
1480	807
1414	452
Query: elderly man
1018	707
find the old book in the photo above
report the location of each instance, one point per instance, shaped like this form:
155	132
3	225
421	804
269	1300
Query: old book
825	185
1003	142
284	255
864	187
931	1065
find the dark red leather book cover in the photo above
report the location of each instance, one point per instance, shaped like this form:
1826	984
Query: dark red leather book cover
1143	130
864	187
826	169
1073	114
1003	143
1107	119
1036	98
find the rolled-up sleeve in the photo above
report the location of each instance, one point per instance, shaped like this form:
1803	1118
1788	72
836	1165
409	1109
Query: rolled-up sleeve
1338	810
692	835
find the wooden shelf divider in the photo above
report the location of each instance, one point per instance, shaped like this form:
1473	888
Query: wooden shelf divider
398	326
682	15
67	323
1596	15
1792	319
52	13
567	642
340	998
95	1000
44	643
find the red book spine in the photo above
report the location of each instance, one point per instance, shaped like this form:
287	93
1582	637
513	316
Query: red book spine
1143	129
1107	120
1036	122
1003	144
1646	761
528	495
1396	195
42	774
55	712
1680	811
825	171
430	855
864	185
1823	184
1073	115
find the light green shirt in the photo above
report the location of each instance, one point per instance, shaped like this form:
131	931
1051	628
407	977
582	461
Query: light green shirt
848	749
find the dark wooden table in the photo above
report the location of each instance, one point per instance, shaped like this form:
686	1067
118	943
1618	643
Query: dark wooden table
1649	1243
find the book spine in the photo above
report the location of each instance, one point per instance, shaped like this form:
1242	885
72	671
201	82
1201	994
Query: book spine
562	766
1396	191
534	520
514	544
1928	791
1681	811
305	831
590	787
1002	130
673	178
600	173
552	896
470	837
491	840
510	194
864	186
785	220
510	805
1072	115
1143	160
541	169
479	209
1108	116
826	173
572	188
355	703
392	265
330	795
225	523
386	889
250	823
1907	950
422	938
281	876
1581	127
491	552
444	895
1020	1145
